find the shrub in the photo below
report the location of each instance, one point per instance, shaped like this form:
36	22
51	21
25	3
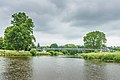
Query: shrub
53	53
33	52
65	52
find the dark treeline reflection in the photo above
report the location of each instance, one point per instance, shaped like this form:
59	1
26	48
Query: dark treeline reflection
94	70
18	69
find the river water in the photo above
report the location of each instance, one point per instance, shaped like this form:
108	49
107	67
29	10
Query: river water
56	68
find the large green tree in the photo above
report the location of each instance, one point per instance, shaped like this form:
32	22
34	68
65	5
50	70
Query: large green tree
95	40
20	35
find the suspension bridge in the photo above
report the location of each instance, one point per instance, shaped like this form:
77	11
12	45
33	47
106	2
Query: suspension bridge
78	49
59	49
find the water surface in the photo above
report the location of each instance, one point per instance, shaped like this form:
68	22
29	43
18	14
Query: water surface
56	68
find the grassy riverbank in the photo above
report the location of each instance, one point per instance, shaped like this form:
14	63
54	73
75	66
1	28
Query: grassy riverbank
28	53
14	53
103	56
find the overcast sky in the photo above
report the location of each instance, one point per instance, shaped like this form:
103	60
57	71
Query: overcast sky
66	21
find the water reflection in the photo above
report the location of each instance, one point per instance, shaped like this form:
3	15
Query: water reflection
18	69
2	67
95	70
53	68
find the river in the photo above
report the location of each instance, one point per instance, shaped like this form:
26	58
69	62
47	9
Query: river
56	68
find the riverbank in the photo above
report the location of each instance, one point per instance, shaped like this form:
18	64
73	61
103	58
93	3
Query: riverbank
102	56
14	53
28	53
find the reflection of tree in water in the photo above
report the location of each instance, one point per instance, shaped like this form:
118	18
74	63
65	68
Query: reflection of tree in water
18	69
94	70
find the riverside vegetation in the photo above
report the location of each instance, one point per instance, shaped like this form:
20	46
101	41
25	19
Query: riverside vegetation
102	56
32	52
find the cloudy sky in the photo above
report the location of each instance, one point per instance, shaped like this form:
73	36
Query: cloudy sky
66	21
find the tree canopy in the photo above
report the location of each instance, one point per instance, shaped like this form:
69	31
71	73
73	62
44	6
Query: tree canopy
95	40
70	46
54	45
20	35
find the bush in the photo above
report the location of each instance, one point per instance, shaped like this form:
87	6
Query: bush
72	52
65	52
33	52
53	53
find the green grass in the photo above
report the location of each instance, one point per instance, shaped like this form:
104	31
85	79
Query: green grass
42	53
28	53
14	53
103	56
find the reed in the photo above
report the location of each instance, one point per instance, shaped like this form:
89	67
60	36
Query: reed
103	56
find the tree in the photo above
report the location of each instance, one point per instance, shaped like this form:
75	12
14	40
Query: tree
20	35
1	42
72	52
38	45
70	46
21	19
94	40
54	45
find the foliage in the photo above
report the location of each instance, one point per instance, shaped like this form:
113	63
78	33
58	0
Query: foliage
53	53
106	56
33	52
38	45
20	35
65	52
1	42
21	18
72	52
32	46
54	45
70	46
116	48
95	40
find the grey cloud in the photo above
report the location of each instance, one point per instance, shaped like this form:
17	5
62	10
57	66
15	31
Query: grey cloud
60	4
94	13
70	19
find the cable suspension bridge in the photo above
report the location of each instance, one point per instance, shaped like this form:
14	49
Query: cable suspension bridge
80	49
